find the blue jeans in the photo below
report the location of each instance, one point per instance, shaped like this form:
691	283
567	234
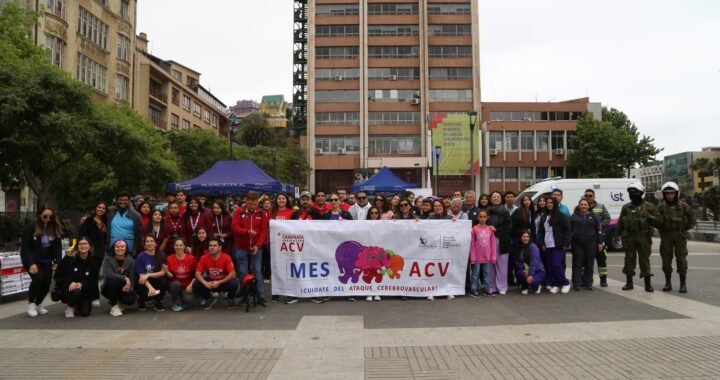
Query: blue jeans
475	276
242	256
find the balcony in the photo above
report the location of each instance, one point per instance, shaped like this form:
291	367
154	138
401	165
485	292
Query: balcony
157	95
159	122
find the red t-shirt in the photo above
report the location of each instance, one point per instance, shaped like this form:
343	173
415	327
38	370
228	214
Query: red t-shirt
216	269
182	270
284	214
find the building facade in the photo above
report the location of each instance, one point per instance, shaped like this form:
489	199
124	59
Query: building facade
376	71
243	108
651	176
528	142
171	97
275	107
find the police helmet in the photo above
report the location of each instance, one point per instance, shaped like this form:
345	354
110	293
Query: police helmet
669	187
636	186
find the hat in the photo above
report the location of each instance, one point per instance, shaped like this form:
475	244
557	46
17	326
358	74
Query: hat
305	194
135	198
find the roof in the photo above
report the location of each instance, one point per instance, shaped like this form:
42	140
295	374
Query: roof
273	100
183	66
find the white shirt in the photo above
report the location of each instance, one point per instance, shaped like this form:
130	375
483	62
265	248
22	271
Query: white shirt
359	212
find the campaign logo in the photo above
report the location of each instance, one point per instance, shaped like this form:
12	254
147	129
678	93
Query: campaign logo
371	263
425	243
292	243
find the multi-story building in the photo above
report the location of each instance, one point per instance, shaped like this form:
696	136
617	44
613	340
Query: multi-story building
527	142
677	168
275	107
376	71
243	108
171	97
651	175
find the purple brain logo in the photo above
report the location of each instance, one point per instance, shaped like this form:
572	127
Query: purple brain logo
356	260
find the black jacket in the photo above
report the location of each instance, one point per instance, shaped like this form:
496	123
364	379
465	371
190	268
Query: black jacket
520	224
98	238
499	217
561	231
30	251
74	269
585	227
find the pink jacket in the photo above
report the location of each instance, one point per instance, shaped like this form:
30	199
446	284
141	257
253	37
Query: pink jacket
483	247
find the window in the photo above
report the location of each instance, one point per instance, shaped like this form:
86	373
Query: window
55	50
337	144
449	9
337	118
123	47
570	143
496	140
556	172
91	73
392	9
56	8
91	28
339	52
542	141
175	96
122	85
206	115
186	103
337	74
497	116
336	10
393	118
450	51
511	142
541	173
177	75
196	126
451	95
449	30
511	174
392	96
495	174
192	82
125	9
526	174
392	30
337	96
156	117
197	109
214	120
557	140
393	51
337	30
394	73
451	73
394	144
186	125
527	141
174	121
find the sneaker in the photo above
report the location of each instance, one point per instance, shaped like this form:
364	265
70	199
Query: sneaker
142	306
266	281
316	300
32	310
69	312
377	298
554	290
275	299
208	303
231	303
369	299
565	289
216	294
41	310
475	294
451	297
539	290
96	304
291	301
158	306
431	298
178	307
115	311
524	292
351	299
588	288
503	292
326	299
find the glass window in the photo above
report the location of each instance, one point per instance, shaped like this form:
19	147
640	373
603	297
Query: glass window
125	9
337	52
392	96
337	144
394	73
177	75
557	140
337	118
449	9
56	8
496	140
206	115
542	141
336	10
155	117
527	141
541	173
197	109
449	30
495	174
464	95
526	174
56	50
336	30
394	144
337	74
393	118
570	143
393	51
123	47
392	30
496	116
450	51
122	85
174	121
392	9
451	73
337	96
556	172
511	141
186	103
92	28
511	174
91	73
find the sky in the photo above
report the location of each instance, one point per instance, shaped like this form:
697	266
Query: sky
656	60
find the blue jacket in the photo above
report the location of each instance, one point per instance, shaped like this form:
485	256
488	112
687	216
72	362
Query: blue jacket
536	266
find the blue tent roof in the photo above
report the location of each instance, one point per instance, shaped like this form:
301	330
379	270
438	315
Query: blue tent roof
232	177
384	181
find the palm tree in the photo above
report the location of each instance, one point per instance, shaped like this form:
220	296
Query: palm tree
704	168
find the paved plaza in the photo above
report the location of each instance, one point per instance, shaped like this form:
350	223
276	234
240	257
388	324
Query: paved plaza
603	334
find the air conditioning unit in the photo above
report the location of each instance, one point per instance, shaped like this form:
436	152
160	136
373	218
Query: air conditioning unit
341	150
318	151
528	119
414	101
560	151
393	77
493	152
338	77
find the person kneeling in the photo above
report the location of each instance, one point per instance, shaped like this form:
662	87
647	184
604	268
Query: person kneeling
151	282
74	278
530	270
180	269
119	270
215	273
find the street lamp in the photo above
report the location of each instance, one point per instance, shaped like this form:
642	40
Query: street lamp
274	156
438	148
233	126
473	118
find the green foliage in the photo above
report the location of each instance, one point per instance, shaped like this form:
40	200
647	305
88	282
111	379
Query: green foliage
254	131
196	150
711	199
607	148
11	228
288	166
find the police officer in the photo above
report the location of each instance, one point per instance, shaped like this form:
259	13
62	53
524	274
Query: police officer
677	219
635	225
601	212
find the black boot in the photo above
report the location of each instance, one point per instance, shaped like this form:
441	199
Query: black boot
603	281
628	283
683	278
648	286
668	283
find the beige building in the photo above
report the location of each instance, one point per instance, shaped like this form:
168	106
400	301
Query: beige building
376	70
171	97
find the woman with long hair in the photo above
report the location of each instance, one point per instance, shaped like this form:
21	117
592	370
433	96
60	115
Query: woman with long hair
95	229
483	201
383	205
40	253
145	211
156	228
395	204
200	245
373	213
151	282
530	270
180	270
119	272
405	210
438	210
194	218
521	221
554	236
220	225
76	279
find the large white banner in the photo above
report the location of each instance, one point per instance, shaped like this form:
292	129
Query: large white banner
361	258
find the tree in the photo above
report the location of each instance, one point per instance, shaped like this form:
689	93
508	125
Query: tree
608	148
196	150
254	130
711	199
704	168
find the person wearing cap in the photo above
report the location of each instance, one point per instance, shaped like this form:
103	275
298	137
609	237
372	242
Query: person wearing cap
677	219
635	226
137	201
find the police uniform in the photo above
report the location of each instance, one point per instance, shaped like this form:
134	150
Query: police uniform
635	225
603	216
678	218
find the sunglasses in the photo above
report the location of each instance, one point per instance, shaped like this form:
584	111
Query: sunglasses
361	197
404	204
334	200
589	195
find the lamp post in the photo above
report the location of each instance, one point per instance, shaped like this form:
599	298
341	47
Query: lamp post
472	115
274	156
438	149
233	126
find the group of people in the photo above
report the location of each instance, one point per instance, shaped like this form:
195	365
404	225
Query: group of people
196	252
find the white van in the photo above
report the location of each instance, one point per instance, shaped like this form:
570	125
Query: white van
612	192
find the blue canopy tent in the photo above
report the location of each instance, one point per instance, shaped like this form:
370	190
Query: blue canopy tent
385	181
232	177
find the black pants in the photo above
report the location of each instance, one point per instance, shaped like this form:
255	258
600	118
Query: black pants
94	289
79	299
40	284
231	287
179	295
160	284
583	260
266	262
112	290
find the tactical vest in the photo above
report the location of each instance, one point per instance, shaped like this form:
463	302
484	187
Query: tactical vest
636	219
673	217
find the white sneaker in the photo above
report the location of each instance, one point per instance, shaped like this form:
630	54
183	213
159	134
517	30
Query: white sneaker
377	298
565	289
96	304
431	298
369	299
41	310
451	297
539	290
503	292
69	312
32	310
524	292
554	290
115	311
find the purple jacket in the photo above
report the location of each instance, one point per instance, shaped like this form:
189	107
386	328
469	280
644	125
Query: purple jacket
536	264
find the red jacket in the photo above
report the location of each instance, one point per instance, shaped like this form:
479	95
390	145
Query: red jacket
201	219
243	221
